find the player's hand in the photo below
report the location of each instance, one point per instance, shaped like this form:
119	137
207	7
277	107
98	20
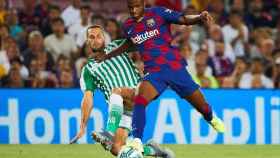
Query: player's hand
78	136
206	18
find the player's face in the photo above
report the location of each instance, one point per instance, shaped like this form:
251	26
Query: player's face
95	38
136	8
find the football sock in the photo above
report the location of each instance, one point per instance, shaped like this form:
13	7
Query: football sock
139	117
115	113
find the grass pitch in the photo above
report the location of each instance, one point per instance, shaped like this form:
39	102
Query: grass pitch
181	151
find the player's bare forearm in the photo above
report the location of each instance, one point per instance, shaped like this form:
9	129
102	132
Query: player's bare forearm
191	19
204	18
123	48
86	107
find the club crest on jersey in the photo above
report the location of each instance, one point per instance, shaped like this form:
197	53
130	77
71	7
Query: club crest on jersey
150	22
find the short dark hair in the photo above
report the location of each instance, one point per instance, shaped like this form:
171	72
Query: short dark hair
57	20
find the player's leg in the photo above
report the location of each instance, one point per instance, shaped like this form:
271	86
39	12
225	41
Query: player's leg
152	86
184	85
198	102
115	110
124	128
119	140
119	98
148	90
150	149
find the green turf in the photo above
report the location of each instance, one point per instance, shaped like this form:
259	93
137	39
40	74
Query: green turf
182	151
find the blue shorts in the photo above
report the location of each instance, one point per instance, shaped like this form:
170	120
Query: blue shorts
178	80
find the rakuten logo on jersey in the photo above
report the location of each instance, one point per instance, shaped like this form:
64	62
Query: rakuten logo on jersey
140	38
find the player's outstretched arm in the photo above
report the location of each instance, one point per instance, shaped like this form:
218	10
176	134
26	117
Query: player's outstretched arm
86	107
123	48
204	18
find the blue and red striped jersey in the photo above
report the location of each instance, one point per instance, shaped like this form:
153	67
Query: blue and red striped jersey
152	38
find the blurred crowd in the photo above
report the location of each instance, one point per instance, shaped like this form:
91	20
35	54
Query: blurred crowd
42	43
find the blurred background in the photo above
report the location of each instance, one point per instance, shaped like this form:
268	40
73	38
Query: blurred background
42	42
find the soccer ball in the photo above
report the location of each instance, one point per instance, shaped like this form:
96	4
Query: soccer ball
129	152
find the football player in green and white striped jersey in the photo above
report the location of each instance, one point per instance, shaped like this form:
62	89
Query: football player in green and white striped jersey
114	73
117	78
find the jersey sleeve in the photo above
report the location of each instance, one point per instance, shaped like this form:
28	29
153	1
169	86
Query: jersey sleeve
87	81
169	15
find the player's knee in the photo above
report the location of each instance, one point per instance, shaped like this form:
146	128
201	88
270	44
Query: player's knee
114	151
124	92
141	100
117	91
117	147
128	104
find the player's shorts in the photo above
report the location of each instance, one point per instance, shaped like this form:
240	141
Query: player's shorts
178	80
